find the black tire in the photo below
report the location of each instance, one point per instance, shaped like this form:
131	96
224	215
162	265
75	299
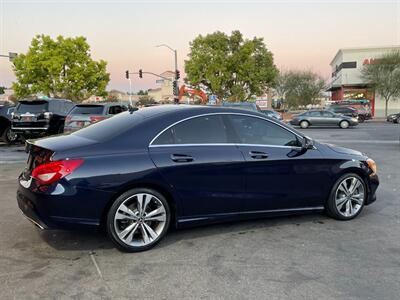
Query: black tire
330	206
111	231
304	124
344	124
8	136
361	119
397	120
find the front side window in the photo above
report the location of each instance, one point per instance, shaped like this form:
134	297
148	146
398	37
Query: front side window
316	114
327	114
252	130
199	130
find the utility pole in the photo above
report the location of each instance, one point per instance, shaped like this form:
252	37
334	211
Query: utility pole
130	87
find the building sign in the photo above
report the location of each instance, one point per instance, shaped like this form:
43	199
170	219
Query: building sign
262	103
370	61
212	99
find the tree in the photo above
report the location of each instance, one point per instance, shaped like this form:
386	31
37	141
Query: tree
142	93
302	88
231	67
384	76
145	100
60	68
2	89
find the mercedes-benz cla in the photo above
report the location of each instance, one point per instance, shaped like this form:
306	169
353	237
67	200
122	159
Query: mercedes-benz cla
140	172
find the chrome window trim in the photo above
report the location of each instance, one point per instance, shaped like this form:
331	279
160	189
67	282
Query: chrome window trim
222	144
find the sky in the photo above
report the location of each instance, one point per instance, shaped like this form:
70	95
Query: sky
302	35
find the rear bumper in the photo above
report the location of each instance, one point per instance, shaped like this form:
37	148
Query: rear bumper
62	206
29	211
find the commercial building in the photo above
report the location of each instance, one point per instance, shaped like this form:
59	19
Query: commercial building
163	93
347	82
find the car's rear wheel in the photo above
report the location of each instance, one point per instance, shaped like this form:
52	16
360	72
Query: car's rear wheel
304	124
9	136
138	220
361	118
344	124
347	197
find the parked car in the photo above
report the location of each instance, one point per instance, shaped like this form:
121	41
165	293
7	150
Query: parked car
273	114
395	118
33	118
6	134
344	110
242	105
322	118
141	171
359	112
86	114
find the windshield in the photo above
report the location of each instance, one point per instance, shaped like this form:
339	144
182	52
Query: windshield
32	107
87	110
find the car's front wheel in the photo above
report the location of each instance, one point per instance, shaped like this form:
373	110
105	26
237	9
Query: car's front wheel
344	124
9	136
347	197
138	219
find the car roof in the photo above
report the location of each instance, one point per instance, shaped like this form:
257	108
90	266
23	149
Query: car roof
99	104
27	101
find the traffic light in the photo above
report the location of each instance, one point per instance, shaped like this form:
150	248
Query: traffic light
140	73
175	88
177	74
127	74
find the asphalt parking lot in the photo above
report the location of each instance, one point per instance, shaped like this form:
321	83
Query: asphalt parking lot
300	257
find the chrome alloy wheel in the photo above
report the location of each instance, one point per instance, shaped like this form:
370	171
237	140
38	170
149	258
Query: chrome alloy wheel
349	196
140	219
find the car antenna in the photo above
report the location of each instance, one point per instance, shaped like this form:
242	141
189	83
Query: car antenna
132	108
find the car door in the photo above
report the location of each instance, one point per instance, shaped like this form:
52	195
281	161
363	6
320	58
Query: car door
198	161
278	174
316	118
330	118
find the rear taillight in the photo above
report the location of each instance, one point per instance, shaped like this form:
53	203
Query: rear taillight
53	171
94	119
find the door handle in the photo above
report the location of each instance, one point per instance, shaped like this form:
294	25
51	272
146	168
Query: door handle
258	155
181	158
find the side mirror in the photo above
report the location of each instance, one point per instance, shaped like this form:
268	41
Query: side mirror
307	143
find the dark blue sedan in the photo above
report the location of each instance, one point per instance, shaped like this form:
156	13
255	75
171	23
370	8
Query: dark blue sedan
142	171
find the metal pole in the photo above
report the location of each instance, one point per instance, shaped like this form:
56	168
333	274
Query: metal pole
176	60
130	92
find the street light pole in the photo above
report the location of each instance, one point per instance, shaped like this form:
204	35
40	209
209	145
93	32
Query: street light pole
175	82
130	91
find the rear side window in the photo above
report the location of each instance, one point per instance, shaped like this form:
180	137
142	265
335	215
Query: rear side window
116	109
252	130
199	130
87	110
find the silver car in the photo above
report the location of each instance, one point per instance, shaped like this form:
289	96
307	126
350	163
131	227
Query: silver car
86	114
322	118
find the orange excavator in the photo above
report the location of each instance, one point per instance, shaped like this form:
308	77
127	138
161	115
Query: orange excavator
187	90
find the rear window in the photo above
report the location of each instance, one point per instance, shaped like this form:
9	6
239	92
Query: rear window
32	107
110	128
87	110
